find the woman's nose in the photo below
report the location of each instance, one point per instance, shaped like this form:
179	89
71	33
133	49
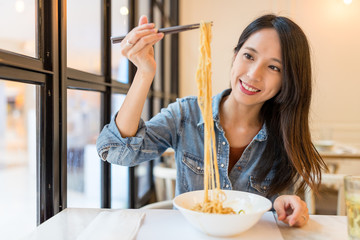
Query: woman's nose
255	72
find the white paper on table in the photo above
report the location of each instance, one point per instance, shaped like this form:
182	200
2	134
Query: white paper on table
109	225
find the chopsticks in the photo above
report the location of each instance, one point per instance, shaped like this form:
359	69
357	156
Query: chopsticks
168	30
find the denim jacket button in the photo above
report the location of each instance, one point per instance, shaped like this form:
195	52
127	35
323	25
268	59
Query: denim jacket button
223	143
222	165
227	186
198	168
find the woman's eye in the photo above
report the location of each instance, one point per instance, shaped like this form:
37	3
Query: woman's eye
248	56
272	67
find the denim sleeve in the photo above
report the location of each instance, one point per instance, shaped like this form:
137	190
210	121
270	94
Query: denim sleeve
151	140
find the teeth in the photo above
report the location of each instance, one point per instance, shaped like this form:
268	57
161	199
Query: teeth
248	88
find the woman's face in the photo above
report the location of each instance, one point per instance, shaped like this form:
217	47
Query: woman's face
256	74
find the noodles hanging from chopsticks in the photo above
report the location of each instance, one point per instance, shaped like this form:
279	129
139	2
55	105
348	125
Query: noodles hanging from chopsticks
213	199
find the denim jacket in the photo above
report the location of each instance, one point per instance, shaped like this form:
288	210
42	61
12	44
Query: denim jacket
180	126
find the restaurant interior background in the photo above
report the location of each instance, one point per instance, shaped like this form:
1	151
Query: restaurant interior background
83	181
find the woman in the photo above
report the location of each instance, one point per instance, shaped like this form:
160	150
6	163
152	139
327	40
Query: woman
261	123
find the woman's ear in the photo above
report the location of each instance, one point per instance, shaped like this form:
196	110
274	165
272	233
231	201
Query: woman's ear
235	54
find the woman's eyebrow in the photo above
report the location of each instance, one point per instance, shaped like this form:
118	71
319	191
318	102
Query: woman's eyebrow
254	50
251	49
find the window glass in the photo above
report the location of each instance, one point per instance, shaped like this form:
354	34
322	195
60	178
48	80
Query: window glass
142	174
83	163
158	51
18	27
119	27
157	105
17	159
84	35
145	114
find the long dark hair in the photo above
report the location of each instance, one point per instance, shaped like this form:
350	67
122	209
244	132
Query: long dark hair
286	115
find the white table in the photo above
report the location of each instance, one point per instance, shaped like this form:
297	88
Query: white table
170	224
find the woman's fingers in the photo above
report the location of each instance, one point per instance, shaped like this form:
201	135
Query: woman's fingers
137	46
134	35
291	210
144	42
300	216
143	20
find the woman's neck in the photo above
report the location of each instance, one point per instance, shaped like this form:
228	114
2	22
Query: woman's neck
233	114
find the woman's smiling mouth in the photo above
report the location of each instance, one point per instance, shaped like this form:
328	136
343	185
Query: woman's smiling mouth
248	89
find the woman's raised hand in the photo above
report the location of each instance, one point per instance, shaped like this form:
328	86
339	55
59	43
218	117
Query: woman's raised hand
138	44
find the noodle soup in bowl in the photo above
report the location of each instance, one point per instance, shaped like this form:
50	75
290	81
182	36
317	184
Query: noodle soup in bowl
224	225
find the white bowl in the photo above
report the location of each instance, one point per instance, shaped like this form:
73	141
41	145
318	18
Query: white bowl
224	225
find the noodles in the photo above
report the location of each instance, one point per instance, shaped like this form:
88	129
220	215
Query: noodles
214	202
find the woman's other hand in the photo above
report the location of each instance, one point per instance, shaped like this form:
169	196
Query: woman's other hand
291	210
138	44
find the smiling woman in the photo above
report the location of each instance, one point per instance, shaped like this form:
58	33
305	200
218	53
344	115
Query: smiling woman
334	56
262	113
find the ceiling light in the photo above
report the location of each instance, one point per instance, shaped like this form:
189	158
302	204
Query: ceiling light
19	6
124	11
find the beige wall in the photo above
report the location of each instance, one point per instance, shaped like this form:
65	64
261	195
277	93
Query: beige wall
333	30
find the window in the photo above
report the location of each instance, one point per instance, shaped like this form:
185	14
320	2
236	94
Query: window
18	28
17	159
84	35
83	165
119	27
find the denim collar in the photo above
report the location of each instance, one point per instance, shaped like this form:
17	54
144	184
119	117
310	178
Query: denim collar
216	100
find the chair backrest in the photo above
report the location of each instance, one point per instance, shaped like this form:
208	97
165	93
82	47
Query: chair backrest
167	204
329	179
337	181
165	179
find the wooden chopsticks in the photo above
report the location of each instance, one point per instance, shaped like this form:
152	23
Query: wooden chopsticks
168	30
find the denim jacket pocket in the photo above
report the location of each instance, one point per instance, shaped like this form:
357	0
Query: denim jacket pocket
261	188
192	177
194	163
